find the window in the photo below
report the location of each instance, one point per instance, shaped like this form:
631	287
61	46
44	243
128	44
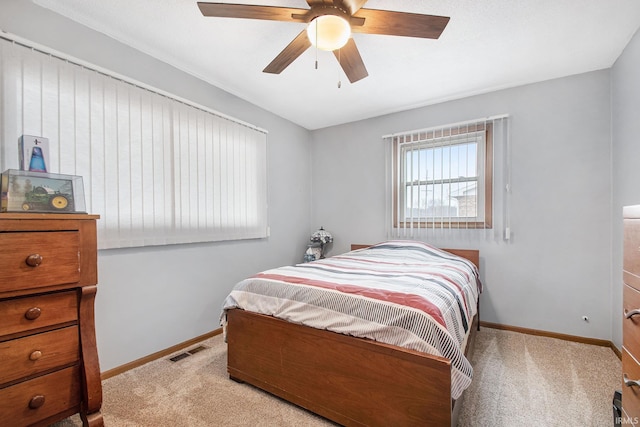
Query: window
157	169
444	178
450	182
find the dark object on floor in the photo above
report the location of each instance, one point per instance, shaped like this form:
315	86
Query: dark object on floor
617	408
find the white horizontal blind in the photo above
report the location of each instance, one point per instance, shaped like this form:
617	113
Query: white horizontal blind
449	182
158	170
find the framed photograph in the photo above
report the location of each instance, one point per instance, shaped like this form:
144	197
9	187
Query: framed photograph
24	191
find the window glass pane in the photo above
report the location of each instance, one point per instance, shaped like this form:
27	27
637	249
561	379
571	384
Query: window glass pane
465	195
442	162
464	160
456	199
441	181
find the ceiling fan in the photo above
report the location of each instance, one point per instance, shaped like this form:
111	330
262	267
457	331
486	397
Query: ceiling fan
328	22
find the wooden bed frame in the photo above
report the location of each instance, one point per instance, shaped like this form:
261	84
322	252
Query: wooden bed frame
349	380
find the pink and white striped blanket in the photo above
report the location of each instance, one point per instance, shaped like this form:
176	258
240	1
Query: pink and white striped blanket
405	293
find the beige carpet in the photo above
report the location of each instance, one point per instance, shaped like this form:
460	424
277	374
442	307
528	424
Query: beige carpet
519	380
527	380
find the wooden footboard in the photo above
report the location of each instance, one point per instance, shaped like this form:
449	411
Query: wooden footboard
349	380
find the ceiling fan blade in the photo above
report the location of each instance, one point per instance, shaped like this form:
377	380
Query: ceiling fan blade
289	54
271	13
351	61
400	24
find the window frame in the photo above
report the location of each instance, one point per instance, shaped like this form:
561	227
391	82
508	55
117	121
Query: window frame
399	184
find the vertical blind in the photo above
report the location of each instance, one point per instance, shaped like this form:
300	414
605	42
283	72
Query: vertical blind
436	181
156	168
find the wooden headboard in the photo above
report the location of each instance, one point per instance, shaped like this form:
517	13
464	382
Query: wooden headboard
472	255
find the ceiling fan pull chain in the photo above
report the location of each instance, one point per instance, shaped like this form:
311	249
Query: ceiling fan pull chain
339	82
316	46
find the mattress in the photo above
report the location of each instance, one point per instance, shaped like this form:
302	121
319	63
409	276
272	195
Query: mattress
405	293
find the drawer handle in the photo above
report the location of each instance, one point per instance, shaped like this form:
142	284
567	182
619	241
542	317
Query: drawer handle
34	260
630	383
36	401
33	313
35	355
630	314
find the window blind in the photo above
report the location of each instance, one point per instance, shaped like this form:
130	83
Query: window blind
450	181
156	168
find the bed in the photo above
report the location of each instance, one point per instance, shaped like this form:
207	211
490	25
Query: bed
375	336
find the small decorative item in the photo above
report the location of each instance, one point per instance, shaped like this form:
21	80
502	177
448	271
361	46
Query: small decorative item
24	191
323	237
34	153
314	252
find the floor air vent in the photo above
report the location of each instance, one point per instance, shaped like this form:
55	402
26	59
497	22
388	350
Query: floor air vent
188	353
179	357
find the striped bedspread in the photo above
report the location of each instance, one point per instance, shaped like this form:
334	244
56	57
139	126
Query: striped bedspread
404	293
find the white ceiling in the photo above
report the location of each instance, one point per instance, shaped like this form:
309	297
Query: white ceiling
487	45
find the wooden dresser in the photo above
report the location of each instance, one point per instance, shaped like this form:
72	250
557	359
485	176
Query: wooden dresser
48	358
631	316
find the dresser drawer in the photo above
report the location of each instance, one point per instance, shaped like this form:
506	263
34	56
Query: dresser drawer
24	314
40	398
631	260
31	260
631	326
34	354
630	395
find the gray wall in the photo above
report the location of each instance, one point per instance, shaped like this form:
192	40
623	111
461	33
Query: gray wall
557	266
152	298
625	126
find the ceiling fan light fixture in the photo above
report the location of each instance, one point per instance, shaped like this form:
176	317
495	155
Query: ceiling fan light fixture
329	32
